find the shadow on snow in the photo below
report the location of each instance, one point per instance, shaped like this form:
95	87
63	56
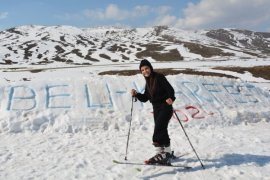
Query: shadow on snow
226	160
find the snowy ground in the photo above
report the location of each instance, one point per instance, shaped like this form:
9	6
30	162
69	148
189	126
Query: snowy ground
239	152
73	125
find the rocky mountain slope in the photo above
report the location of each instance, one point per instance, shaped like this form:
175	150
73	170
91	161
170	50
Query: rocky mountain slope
34	45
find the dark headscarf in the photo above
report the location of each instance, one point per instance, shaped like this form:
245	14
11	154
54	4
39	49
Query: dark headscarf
146	63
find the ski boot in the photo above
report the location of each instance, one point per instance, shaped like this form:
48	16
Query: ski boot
163	155
163	158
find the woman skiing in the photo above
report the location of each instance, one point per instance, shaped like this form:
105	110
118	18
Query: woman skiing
161	94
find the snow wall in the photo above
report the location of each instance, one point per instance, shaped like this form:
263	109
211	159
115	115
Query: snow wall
72	105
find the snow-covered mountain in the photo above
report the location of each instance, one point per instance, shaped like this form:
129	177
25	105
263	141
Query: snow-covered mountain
32	45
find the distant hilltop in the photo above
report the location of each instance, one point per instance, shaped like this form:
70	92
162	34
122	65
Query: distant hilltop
34	45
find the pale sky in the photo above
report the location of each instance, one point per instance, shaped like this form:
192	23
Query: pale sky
184	14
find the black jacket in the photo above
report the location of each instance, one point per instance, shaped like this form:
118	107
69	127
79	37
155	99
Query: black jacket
163	91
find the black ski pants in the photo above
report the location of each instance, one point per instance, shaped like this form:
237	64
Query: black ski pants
162	115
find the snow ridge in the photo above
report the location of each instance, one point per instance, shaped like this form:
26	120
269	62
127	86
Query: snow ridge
34	45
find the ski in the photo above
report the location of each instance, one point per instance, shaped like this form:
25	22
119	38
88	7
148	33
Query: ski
176	157
161	165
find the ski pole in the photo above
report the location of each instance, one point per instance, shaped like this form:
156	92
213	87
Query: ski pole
129	126
189	140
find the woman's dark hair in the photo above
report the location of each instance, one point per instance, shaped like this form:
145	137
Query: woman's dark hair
151	80
151	83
